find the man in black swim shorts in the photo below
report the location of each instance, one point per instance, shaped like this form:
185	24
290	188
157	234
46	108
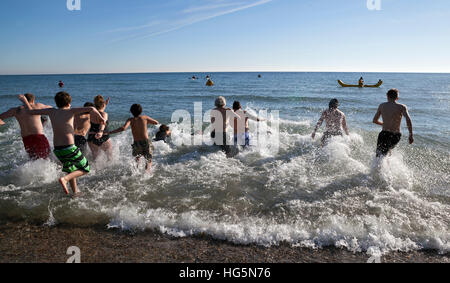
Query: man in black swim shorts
392	114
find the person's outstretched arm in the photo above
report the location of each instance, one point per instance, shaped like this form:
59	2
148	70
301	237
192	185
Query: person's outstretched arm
318	125
8	114
25	102
43	106
151	121
376	119
106	102
47	111
254	118
121	129
409	124
344	125
91	110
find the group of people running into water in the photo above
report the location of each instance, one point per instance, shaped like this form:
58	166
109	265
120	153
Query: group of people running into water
72	125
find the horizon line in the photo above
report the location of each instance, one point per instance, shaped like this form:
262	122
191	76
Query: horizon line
193	72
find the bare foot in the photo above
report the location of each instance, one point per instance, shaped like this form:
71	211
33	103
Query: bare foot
77	194
63	183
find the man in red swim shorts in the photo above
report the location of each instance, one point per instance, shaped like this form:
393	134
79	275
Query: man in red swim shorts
32	131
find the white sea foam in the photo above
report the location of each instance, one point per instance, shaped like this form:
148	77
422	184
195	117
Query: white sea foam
302	194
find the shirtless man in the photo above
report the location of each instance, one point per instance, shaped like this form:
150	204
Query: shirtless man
81	126
224	116
142	146
241	128
32	131
335	121
74	163
392	113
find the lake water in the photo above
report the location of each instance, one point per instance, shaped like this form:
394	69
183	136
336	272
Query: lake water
301	194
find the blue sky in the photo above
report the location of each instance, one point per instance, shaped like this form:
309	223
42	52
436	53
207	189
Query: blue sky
113	36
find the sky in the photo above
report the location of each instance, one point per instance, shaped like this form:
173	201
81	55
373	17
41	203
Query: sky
121	36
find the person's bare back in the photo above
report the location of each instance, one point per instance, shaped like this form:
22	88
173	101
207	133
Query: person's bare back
392	113
139	127
71	157
62	122
29	124
142	146
82	123
333	120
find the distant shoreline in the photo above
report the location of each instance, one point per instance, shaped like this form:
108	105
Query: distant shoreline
30	243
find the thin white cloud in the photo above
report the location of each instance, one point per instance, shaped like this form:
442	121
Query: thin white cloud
210	7
162	27
152	24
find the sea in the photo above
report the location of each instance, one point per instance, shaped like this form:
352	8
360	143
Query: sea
296	192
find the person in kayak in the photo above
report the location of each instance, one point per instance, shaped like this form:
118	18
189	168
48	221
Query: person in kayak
392	114
361	82
335	121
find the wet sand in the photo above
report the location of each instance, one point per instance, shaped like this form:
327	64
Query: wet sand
32	243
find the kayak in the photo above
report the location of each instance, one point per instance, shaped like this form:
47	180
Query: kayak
380	82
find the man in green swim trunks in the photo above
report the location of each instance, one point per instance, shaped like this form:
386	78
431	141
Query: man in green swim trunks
142	146
74	163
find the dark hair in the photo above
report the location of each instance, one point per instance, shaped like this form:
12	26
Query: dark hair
136	110
393	93
30	97
62	99
164	128
99	102
334	103
236	105
89	104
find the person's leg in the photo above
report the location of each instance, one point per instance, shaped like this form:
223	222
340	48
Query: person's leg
107	148
324	140
68	178
148	166
382	148
73	184
94	149
148	154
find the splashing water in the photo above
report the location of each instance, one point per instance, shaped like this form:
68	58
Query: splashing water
308	196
